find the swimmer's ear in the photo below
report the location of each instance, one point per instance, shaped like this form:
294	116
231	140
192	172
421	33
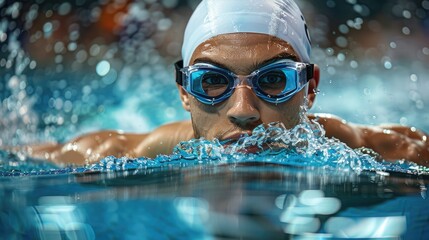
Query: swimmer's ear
184	97
312	86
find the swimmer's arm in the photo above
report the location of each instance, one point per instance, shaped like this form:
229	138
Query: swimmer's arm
392	142
88	148
164	139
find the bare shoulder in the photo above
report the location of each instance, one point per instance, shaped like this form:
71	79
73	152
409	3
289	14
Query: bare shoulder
89	147
163	139
339	128
392	142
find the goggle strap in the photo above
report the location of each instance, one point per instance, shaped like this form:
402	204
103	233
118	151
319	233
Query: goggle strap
179	76
310	71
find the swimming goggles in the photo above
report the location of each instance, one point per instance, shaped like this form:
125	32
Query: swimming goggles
274	83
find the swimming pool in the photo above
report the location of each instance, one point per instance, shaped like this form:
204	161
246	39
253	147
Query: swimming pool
64	73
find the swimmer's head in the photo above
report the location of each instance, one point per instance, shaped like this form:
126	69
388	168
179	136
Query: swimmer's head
279	18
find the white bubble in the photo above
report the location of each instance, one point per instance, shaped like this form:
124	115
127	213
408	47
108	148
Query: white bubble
59	47
341	57
3	36
47	27
330	51
94	50
425	4
392	45
403	121
425	51
343	29
354	64
72	46
33	64
341	42
406	31
406	14
414	78
64	9
387	65
331	70
164	24
170	3
103	68
81	56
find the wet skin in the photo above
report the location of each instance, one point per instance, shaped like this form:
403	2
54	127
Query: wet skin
241	53
243	111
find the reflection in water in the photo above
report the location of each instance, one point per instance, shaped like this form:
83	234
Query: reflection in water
211	202
56	218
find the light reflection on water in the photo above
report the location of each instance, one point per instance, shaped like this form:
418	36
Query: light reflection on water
206	202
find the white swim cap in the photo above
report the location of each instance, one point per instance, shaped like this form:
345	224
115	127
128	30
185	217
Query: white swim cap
279	18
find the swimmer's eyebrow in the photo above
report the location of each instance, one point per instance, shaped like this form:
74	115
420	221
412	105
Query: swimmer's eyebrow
281	56
256	64
210	61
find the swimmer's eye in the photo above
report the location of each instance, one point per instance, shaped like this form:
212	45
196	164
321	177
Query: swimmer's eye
214	84
273	82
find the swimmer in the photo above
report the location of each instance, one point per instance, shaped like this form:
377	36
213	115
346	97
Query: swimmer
237	56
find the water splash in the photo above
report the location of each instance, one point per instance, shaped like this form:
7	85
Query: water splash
305	145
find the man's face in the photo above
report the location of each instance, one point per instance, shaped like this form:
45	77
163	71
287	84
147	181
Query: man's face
242	53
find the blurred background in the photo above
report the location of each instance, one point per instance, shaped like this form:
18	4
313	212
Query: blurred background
72	67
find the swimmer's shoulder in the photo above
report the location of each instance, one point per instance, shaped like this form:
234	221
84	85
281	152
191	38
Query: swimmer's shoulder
88	148
336	127
163	139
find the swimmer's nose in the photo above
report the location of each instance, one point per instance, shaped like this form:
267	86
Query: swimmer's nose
243	108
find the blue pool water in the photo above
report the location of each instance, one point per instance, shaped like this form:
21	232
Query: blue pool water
78	66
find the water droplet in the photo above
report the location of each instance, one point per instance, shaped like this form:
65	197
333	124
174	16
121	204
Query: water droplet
414	78
59	47
3	36
354	64
406	31
94	50
341	57
103	68
406	14
343	29
425	4
81	56
331	70
341	41
64	9
48	13
170	3
33	64
403	121
72	46
387	65
47	27
330	51
164	24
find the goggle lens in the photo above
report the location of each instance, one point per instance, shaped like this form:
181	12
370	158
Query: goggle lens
272	83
